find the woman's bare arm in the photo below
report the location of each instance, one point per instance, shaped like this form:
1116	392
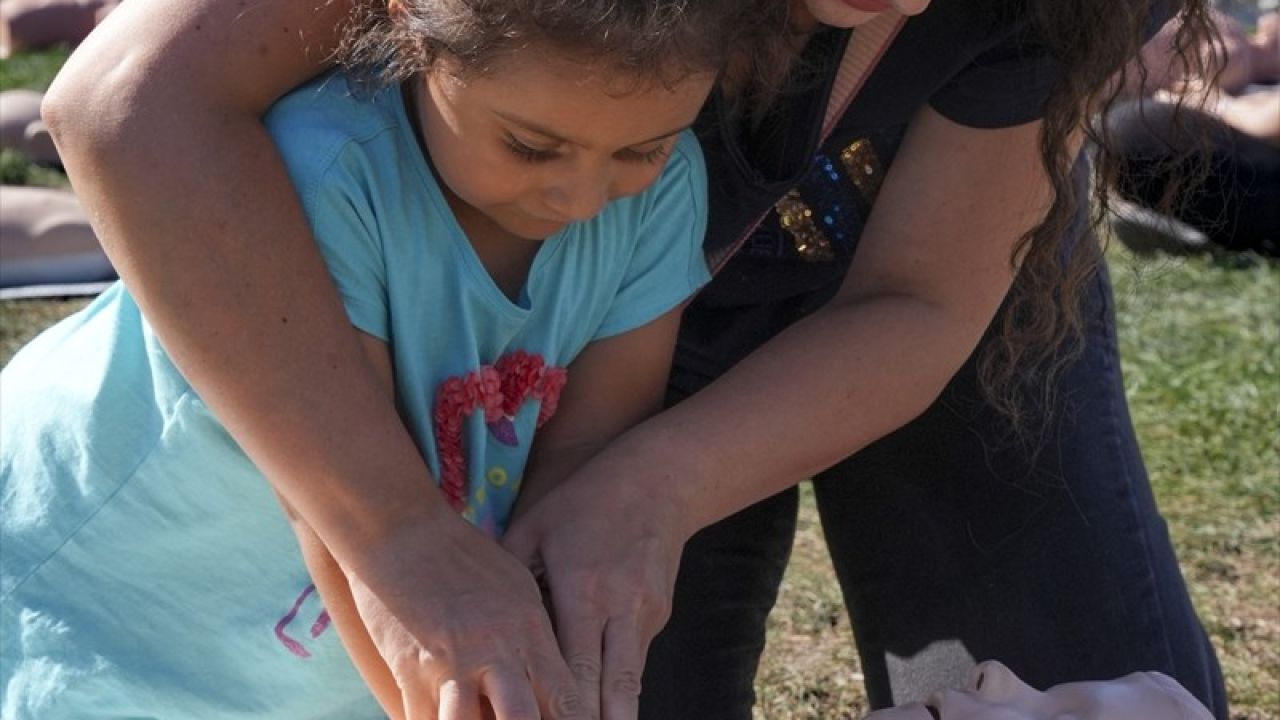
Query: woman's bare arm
616	383
156	117
333	585
932	268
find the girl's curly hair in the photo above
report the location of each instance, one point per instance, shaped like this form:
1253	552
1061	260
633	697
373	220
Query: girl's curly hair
658	40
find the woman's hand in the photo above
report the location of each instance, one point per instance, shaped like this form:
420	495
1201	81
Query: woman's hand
472	642
607	552
439	620
460	625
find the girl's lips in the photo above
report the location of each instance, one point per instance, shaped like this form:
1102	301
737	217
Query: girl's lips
871	6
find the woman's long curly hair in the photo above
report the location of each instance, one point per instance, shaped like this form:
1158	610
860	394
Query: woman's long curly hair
1096	43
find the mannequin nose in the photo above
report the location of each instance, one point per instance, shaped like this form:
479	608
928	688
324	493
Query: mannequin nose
992	679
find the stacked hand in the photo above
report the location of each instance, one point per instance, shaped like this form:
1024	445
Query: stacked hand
461	625
607	553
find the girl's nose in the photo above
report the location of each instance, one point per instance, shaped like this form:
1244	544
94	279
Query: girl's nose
580	194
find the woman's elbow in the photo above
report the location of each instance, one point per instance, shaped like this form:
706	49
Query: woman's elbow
85	110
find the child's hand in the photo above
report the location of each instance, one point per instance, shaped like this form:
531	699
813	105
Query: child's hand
608	556
460	624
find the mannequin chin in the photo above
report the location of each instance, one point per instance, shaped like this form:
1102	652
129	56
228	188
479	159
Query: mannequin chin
995	693
21	128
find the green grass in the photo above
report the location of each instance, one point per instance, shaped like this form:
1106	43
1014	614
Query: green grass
31	70
15	169
1201	343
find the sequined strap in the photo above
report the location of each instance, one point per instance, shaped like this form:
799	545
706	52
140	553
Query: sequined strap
864	50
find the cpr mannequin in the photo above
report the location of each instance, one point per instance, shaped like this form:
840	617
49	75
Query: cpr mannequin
21	128
995	693
35	24
45	239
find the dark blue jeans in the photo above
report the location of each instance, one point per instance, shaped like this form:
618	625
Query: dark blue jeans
954	546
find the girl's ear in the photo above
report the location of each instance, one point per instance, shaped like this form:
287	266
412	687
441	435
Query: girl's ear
396	9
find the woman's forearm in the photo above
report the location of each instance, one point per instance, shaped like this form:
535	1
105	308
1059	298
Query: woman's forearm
156	118
932	268
825	388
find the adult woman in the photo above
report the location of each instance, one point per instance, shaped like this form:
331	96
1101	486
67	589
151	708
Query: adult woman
968	82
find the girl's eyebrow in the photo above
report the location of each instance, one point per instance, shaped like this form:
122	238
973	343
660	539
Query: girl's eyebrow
551	135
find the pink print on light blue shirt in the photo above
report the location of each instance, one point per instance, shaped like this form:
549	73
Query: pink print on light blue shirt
500	390
319	626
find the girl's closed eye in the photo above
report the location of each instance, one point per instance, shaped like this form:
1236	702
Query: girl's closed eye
527	152
652	156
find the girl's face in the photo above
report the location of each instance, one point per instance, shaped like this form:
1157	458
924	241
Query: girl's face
995	693
541	142
850	13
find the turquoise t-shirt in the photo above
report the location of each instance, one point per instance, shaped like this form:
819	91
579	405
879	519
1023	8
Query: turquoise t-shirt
146	570
465	356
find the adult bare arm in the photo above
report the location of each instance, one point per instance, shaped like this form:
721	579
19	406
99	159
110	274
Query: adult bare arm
931	270
618	382
156	117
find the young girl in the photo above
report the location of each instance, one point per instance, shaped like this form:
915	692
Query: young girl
513	213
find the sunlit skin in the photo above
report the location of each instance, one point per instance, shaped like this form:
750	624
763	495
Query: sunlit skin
851	13
540	142
995	693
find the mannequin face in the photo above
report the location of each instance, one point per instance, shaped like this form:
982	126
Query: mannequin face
851	13
995	693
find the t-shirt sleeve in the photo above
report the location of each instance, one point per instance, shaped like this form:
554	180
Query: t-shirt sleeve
1005	85
667	264
317	158
1008	83
347	235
